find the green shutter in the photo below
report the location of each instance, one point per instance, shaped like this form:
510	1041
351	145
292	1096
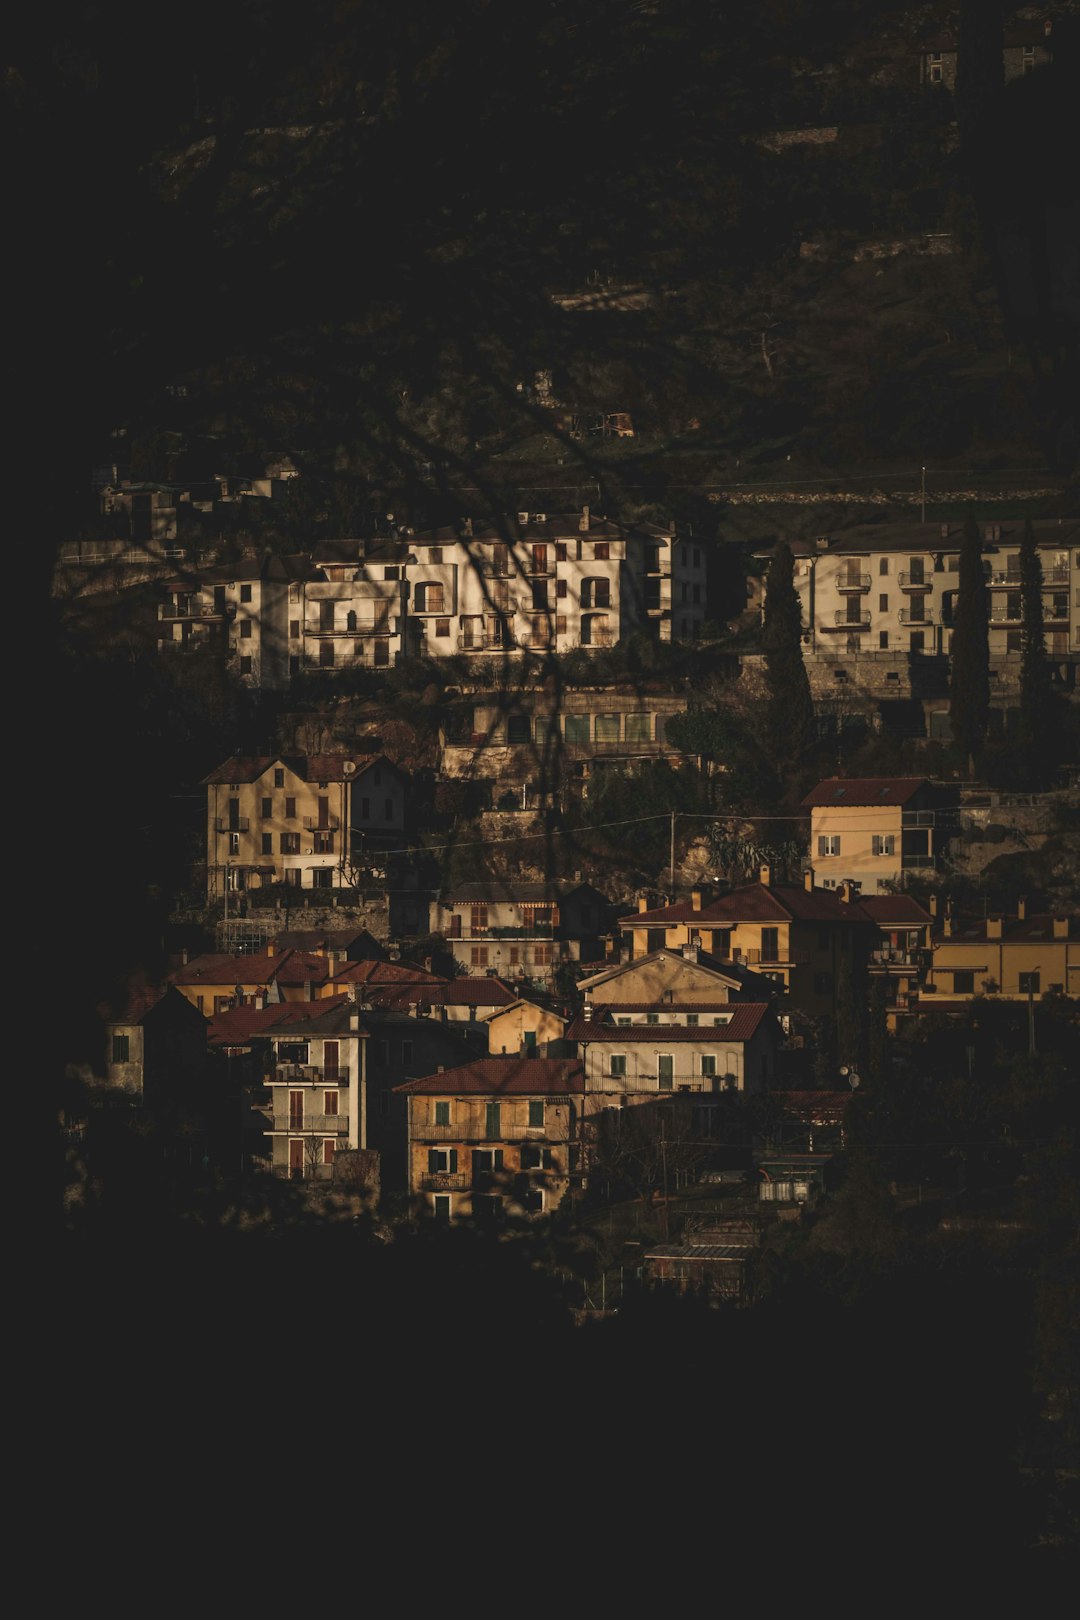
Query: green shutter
453	1160
432	1161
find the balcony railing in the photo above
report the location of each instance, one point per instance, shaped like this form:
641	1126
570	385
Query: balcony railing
853	582
521	931
916	582
910	617
312	1124
314	824
444	1181
362	627
891	958
468	1131
239	824
193	610
1003	614
293	1074
843	620
918	860
599	638
485	642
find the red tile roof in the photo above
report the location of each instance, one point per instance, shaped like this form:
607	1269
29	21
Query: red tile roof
263	967
240	1025
385	973
902	909
309	767
756	902
865	790
503	1077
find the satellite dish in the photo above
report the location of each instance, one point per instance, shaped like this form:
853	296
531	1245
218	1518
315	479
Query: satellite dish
844	1069
854	1079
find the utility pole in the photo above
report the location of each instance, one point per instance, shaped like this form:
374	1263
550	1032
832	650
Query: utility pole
1031	1015
922	518
672	901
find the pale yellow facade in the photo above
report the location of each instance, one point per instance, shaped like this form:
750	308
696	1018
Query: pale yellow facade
510	1027
666	976
997	962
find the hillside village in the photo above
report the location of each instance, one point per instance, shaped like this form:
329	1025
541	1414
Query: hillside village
591	845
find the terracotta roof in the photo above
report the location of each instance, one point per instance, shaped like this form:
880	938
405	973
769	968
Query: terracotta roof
744	1023
756	902
1032	930
330	939
385	973
263	967
309	767
617	1007
468	992
865	790
503	1077
240	1025
895	908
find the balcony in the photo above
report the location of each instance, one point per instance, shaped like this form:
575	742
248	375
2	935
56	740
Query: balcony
485	642
599	638
196	611
328	824
309	1074
915	582
363	627
444	1181
917	620
853	582
908	862
310	1125
843	620
234	824
521	931
891	958
1002	613
468	1131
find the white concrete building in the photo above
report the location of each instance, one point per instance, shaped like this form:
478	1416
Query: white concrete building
242	607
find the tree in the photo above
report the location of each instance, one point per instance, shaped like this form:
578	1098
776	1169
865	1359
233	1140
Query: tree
789	722
969	682
1037	696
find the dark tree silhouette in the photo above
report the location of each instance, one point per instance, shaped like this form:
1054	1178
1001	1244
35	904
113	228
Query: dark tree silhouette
969	676
790	711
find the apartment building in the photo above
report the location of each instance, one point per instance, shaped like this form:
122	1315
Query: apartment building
351	609
891	589
497	1135
303	820
1026	44
636	1050
874	831
521	930
240	608
317	1081
1010	958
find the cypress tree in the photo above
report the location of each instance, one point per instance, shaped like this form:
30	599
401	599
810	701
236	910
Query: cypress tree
1037	697
789	719
969	680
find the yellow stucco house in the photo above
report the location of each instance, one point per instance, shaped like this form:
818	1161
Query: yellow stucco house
1007	957
874	830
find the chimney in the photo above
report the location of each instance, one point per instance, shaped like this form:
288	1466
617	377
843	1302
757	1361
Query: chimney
847	891
583	520
993	927
931	905
695	899
808	880
690	953
1061	927
466	528
765	876
183	956
441	1069
354	1020
642	902
1021	908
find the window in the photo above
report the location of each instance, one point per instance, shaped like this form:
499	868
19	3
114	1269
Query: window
391	573
536	1115
665	1071
324	841
290	804
440	1206
537	1158
883	565
541	955
442	627
708	1065
442	1161
607	728
435	554
294	629
518	728
245	630
293	877
652	1018
770	944
234	843
883	640
294	593
478	956
478	919
493	1121
329	1148
601	550
691	1020
442	1113
245	666
121	1049
638	727
289	843
963	983
576	728
515	955
883	603
330	1103
326	655
245	593
267	844
618	1064
1029	984
560	551
381	658
829	844
322	877
560	588
266	808
883	844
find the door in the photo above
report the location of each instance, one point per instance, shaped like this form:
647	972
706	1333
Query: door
296	1157
331	1050
296	1110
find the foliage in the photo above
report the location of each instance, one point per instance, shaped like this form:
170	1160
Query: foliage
789	721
